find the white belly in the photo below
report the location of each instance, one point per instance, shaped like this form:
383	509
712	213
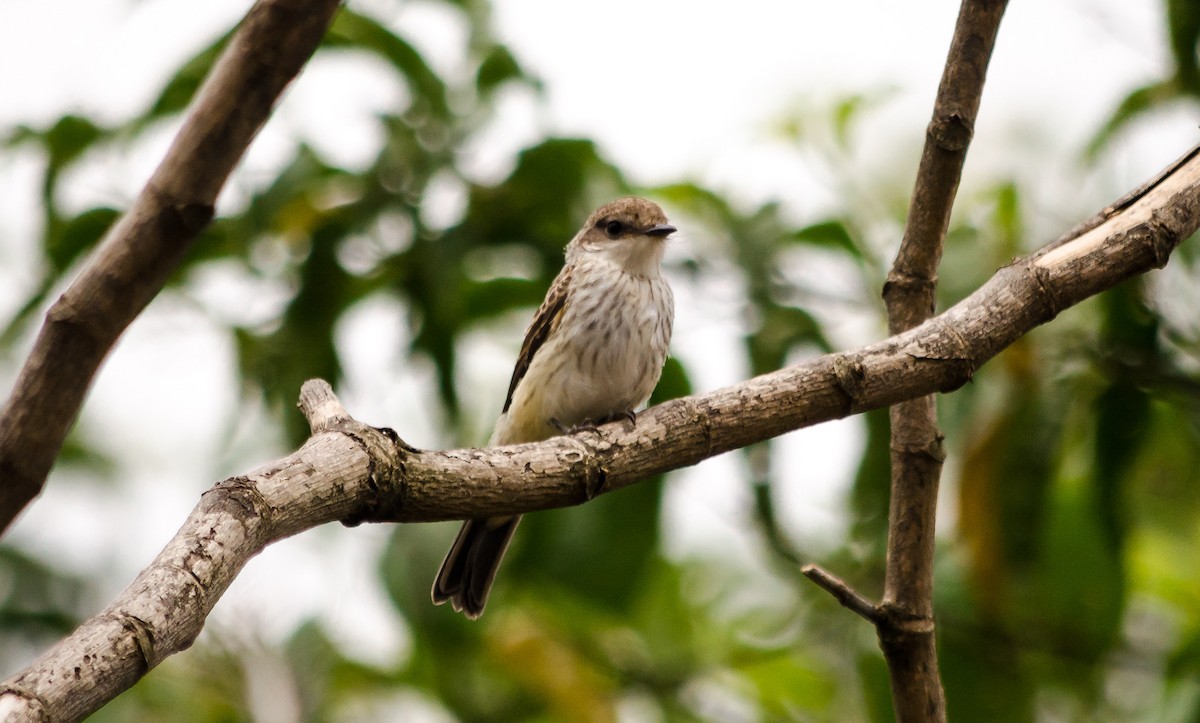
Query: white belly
604	359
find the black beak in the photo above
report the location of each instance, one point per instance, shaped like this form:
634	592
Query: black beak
662	230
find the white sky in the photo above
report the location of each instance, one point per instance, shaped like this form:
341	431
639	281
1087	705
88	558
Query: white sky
668	88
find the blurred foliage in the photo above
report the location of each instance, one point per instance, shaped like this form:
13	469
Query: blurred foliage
1067	585
1182	85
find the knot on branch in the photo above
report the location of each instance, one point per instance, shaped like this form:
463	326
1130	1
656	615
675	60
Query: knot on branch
910	296
958	355
850	379
79	324
1051	304
928	450
386	451
591	471
906	283
176	216
142	635
243	493
1159	237
951	132
896	626
948	349
704	419
386	471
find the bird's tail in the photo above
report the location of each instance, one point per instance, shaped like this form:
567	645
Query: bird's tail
470	567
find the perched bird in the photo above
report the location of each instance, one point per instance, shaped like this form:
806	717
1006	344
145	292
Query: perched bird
593	353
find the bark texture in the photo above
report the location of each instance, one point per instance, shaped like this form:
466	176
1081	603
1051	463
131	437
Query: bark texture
351	472
142	250
907	633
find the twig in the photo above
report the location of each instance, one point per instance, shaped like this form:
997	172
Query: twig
843	593
348	470
140	252
320	406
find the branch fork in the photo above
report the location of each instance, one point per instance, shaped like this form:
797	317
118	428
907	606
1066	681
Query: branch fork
904	621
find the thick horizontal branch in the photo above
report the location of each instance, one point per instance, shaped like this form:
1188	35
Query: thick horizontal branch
351	472
940	355
142	250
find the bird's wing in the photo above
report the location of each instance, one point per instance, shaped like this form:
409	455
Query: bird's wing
544	323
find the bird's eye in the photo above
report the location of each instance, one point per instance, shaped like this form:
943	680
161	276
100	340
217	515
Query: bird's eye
614	228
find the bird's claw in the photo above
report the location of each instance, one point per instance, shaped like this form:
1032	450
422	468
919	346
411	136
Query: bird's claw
584	426
593	425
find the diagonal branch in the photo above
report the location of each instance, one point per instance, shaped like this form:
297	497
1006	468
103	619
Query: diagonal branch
141	251
348	471
910	289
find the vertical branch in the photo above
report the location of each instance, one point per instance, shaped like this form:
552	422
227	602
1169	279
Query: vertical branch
142	250
906	627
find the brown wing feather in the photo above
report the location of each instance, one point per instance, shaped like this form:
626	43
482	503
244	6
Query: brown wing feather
543	325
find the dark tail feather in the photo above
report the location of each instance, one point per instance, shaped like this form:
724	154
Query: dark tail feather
470	567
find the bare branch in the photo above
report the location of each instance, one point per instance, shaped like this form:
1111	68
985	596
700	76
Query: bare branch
162	612
842	592
910	287
351	472
320	407
134	261
916	449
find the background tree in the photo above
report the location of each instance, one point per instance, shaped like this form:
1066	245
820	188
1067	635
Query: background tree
1064	583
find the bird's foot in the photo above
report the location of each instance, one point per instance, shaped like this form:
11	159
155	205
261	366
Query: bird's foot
586	425
593	425
628	415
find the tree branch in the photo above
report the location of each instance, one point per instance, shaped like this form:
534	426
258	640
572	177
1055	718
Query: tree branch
138	255
911	284
843	593
351	472
907	633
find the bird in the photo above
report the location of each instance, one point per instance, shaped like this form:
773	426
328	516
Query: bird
593	353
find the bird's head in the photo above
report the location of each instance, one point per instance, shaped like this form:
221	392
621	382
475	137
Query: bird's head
629	232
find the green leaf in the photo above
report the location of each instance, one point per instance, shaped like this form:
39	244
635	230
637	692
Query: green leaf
781	329
302	347
355	31
1135	104
488	299
673	384
78	235
871	490
598	552
1183	24
544	200
498	67
38	603
69	138
178	91
789	683
829	234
